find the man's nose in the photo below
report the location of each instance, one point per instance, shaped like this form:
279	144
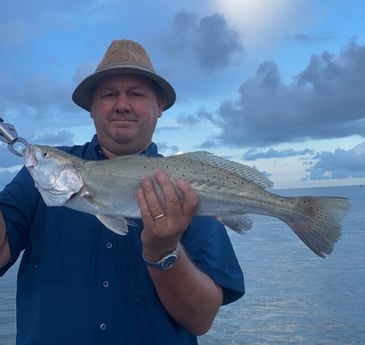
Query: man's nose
123	104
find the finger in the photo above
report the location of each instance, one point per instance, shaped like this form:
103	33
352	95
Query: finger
172	200
145	211
151	197
190	198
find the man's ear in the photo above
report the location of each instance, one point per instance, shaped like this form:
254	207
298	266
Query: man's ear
161	104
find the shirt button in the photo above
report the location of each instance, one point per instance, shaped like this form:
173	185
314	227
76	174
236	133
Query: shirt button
103	326
105	283
109	245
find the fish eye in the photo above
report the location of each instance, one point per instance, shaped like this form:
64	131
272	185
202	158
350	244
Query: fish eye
44	154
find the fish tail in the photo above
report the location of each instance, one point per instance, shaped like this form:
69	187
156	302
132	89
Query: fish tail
319	225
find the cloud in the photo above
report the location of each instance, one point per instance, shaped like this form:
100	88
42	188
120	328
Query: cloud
217	46
7	159
208	41
167	149
38	103
324	101
339	164
208	145
193	119
54	138
189	120
254	154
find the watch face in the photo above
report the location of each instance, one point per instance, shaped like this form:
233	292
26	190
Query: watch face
168	261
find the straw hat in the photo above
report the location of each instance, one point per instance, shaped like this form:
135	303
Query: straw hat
123	56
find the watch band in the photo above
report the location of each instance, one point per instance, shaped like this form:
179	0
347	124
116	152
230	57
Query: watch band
166	262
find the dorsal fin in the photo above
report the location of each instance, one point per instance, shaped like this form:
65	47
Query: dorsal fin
241	170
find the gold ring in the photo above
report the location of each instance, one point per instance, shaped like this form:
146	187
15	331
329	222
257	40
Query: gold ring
159	216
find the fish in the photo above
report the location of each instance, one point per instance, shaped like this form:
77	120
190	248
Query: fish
227	190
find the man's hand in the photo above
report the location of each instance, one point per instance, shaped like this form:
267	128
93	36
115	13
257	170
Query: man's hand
165	215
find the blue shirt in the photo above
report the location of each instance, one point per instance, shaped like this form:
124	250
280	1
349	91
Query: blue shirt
80	283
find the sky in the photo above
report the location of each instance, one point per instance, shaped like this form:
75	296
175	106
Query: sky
278	85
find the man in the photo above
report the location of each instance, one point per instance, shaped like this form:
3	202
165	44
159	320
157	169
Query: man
79	283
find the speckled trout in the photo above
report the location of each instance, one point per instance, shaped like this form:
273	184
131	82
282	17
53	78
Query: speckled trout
227	190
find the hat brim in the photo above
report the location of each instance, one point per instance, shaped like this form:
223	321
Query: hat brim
81	95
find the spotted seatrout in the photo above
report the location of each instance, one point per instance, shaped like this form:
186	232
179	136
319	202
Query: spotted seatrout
226	190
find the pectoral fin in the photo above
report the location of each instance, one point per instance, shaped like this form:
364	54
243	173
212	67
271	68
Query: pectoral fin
117	225
238	223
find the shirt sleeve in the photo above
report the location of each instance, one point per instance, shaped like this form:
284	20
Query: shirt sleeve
209	247
18	201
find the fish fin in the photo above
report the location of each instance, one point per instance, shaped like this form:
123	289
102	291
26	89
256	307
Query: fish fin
319	227
237	223
238	169
115	224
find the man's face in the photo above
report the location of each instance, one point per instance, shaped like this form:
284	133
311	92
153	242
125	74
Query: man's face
125	109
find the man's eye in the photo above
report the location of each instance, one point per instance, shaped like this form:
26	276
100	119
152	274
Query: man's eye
106	95
136	94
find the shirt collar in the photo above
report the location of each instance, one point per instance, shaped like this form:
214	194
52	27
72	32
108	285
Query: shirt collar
97	153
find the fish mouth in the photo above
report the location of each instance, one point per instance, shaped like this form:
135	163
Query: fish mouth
30	160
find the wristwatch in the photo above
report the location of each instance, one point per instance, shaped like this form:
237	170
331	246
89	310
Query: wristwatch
166	262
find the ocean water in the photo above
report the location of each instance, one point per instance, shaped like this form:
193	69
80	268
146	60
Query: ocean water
292	296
